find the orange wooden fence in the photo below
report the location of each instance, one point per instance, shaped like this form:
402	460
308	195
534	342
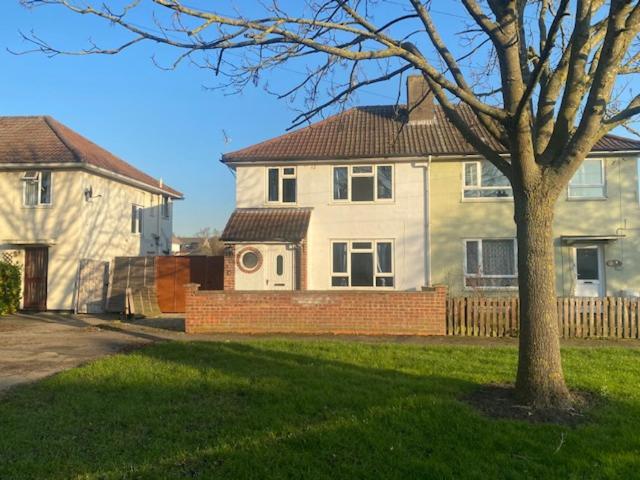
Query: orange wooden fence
578	317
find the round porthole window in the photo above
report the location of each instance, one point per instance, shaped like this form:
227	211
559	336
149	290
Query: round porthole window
249	260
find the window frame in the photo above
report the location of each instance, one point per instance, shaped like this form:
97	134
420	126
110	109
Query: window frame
139	221
374	252
466	275
165	206
374	174
603	185
479	186
36	178
281	178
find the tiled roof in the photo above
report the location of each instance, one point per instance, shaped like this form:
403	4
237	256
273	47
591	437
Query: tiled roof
382	131
267	224
41	139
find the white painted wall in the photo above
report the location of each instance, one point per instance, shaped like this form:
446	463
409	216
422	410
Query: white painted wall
401	220
98	229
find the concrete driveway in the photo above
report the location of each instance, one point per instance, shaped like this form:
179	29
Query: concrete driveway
33	346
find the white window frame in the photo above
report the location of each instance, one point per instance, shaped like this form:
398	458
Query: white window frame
602	184
480	187
281	178
374	251
139	219
467	275
374	174
165	206
36	176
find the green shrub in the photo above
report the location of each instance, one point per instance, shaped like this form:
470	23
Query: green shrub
9	288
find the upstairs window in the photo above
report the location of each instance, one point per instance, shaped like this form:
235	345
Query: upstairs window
363	183
490	263
588	181
484	180
362	263
136	219
165	206
281	185
37	188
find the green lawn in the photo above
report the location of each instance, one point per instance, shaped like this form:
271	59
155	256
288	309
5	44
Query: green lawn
306	409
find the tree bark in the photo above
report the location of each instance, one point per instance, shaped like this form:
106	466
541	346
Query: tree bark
540	379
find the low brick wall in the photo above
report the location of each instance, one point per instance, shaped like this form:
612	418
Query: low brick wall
316	312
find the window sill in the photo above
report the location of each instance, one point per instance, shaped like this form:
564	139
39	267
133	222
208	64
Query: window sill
368	289
488	200
37	207
368	202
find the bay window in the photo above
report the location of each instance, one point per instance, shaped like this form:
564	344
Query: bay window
37	188
281	185
490	263
363	183
588	181
483	180
362	263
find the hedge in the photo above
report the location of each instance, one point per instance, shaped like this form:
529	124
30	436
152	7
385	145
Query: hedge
9	288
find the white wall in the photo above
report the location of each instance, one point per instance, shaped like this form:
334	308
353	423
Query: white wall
401	220
98	229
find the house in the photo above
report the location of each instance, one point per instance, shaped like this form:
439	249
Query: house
66	200
395	198
202	245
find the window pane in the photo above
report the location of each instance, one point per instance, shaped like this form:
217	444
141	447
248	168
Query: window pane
140	219
361	246
489	193
31	193
340	183
339	281
383	264
586	192
362	269
498	257
384	181
589	173
587	263
289	171
362	189
492	177
470	174
45	188
384	282
491	282
134	219
289	190
363	169
279	265
473	268
340	257
274	195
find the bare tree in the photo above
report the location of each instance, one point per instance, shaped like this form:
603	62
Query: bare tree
559	65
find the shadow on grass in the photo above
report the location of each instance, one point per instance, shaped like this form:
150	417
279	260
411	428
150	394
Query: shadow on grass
289	410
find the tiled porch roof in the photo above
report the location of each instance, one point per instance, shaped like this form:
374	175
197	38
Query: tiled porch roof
267	225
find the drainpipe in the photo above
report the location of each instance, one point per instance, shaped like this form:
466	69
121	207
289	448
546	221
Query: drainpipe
428	223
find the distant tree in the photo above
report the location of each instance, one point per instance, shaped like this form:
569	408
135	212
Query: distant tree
548	90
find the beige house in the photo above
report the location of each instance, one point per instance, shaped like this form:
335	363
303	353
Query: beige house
387	197
67	202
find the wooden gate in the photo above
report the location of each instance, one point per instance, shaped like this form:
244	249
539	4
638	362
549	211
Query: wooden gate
93	281
172	273
36	266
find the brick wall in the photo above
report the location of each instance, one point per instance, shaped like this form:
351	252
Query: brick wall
316	312
230	267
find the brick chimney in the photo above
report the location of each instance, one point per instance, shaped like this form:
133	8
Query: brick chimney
419	100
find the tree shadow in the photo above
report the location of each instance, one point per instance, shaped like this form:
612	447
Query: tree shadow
280	409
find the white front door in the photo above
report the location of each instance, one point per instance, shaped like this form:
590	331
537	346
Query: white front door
588	262
279	271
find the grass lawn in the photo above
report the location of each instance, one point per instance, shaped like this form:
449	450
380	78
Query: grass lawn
307	409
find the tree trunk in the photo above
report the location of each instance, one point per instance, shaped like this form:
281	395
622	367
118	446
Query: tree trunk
540	380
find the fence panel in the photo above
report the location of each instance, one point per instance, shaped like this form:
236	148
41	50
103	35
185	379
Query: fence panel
578	317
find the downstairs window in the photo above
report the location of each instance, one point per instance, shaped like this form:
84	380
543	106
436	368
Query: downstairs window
362	263
490	263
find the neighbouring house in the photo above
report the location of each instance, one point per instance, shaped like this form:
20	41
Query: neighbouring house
65	201
208	245
394	198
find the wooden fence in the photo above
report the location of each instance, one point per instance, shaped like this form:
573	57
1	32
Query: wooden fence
578	317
